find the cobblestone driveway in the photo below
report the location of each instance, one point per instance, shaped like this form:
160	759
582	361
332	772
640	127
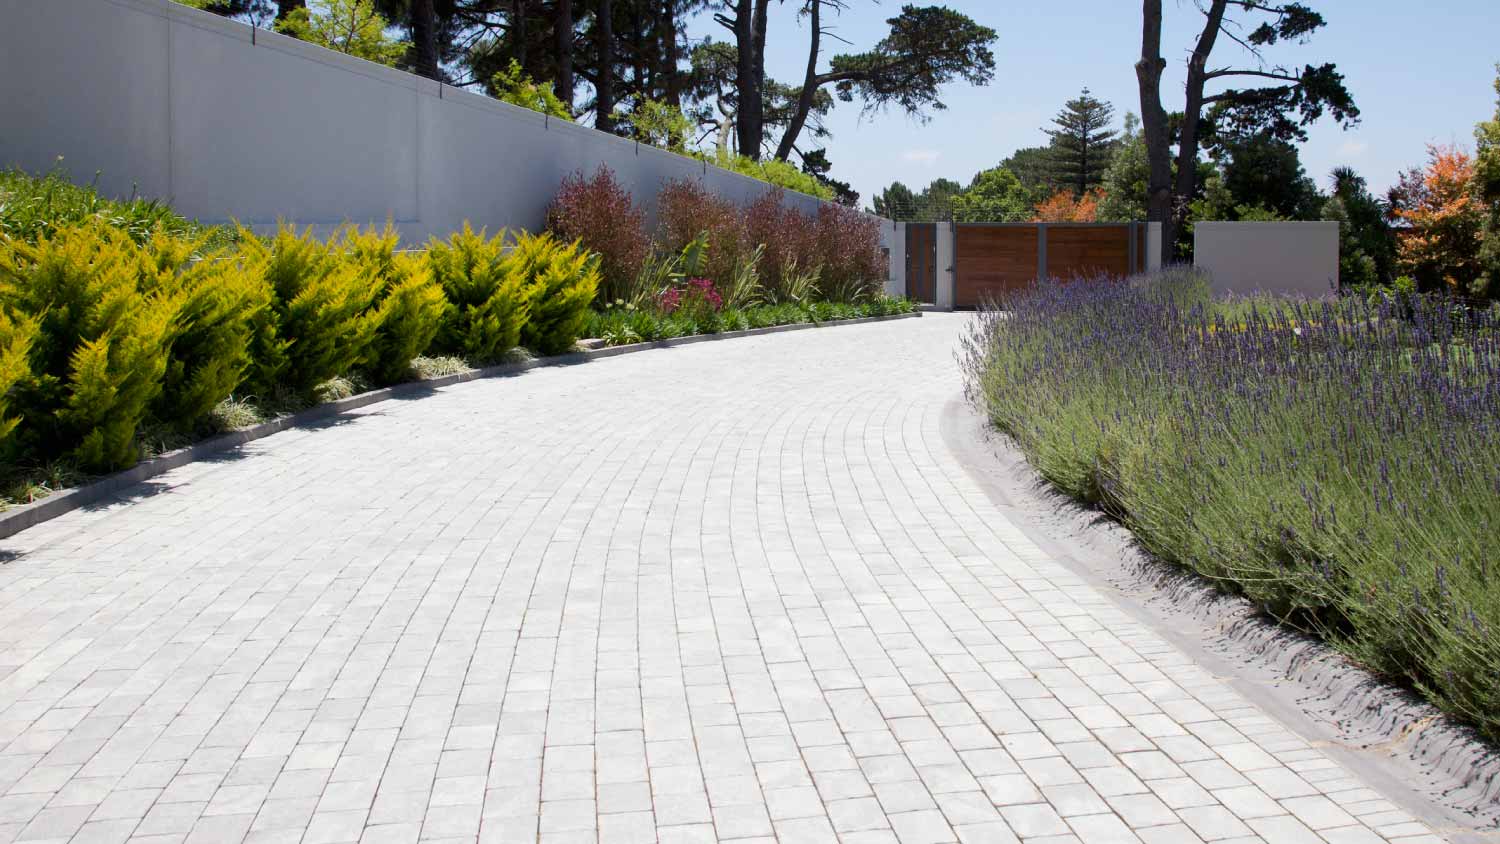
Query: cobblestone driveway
737	590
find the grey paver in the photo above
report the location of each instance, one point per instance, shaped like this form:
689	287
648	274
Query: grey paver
731	591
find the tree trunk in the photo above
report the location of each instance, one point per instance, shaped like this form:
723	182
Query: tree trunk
1192	113
604	85
286	7
424	39
644	82
562	83
672	57
748	118
809	85
1154	127
518	34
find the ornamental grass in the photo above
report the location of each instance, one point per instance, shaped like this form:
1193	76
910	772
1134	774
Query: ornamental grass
1336	462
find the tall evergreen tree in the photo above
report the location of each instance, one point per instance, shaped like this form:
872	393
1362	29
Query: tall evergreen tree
1082	142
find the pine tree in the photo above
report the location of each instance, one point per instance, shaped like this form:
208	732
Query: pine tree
1082	142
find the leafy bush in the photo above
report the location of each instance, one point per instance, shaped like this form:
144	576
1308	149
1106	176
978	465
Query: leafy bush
743	287
406	320
515	86
694	300
562	279
853	267
687	210
488	303
319	299
35	207
1335	462
776	172
16	336
793	258
619	326
600	214
100	351
222	303
408	305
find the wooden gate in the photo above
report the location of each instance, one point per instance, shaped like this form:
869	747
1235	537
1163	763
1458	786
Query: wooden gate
992	260
921	262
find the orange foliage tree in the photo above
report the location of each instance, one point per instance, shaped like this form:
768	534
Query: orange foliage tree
1064	207
1444	222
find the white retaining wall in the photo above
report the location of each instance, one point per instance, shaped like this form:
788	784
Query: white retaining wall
1300	259
226	121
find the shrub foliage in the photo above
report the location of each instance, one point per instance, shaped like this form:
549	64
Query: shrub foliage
562	279
487	302
600	214
122	317
222	301
319	299
101	349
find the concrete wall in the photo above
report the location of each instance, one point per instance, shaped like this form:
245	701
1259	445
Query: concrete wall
1287	258
1153	247
225	121
893	237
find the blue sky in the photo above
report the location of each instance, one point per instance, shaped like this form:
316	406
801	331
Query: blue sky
1419	75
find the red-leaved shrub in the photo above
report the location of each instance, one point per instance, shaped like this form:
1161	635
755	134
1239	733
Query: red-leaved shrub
686	209
599	212
789	235
849	243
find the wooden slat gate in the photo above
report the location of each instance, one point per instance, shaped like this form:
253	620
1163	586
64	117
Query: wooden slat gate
921	261
994	259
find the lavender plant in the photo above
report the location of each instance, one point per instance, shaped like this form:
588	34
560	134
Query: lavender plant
1337	462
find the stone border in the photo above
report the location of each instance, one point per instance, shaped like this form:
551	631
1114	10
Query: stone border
19	518
1397	742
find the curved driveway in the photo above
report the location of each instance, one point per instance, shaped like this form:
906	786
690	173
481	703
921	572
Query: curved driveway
736	590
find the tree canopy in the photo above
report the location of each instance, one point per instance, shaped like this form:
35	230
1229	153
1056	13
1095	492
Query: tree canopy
1289	100
995	195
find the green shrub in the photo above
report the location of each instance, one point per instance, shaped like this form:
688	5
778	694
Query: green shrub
16	336
563	279
319	299
33	207
487	303
406	321
101	348
408	303
221	302
620	325
776	172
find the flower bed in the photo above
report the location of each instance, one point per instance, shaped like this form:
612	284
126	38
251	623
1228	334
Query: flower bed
621	324
127	330
1336	462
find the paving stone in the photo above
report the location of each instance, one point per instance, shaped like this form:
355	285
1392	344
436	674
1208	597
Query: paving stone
729	591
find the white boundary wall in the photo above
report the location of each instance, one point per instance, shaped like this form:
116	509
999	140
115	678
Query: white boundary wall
229	122
1300	259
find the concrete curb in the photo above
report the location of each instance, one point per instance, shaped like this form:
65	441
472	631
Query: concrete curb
19	518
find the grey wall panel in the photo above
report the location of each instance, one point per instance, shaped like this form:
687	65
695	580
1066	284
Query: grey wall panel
233	123
1299	259
86	80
